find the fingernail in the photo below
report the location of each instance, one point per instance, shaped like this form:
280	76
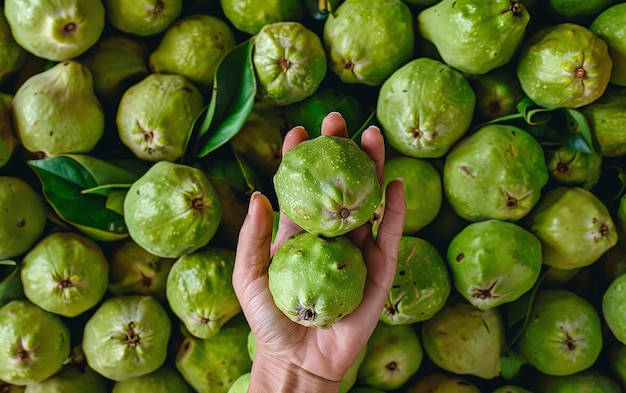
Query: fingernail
251	204
376	128
400	179
335	113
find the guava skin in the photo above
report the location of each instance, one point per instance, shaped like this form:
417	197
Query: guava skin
8	142
145	18
250	16
494	262
172	210
511	389
213	364
574	226
33	343
315	280
606	117
164	380
200	291
610	25
158	135
563	334
438	382
421	285
12	56
424	107
588	381
55	30
56	111
465	340
23	216
564	66
65	273
571	167
367	40
70	380
241	384
127	337
193	47
394	354
420	179
351	375
327	185
474	36
613	307
496	172
497	93
289	63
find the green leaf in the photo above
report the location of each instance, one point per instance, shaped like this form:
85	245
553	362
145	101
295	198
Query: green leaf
64	180
365	124
234	91
115	201
10	282
577	124
532	113
229	166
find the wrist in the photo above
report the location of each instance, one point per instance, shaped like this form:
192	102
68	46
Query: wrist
271	375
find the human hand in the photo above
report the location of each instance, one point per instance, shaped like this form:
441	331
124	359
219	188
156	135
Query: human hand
291	357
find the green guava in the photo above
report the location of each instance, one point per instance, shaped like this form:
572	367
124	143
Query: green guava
165	379
440	382
606	117
421	285
172	210
465	340
200	290
12	56
424	107
193	47
511	389
33	343
65	273
23	216
234	202
494	262
251	345
135	271
70	379
610	26
145	18
55	30
563	334
474	36
420	178
496	172
316	280
497	93
289	62
574	226
116	63
8	142
617	362
241	384
588	381
574	10
394	354
350	377
56	111
213	364
327	185
367	40
155	116
127	337
564	66
572	167
613	307
249	16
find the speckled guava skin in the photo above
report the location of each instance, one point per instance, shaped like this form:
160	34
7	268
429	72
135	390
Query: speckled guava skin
250	16
588	381
33	343
425	107
126	337
610	25
494	262
496	172
564	66
172	210
12	56
200	290
572	167
145	18
421	285
441	382
327	185
315	280
574	226
70	380
606	117
164	380
289	63
474	36
613	307
367	40
563	334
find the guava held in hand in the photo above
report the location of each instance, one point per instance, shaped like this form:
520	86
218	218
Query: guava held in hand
327	185
172	210
316	280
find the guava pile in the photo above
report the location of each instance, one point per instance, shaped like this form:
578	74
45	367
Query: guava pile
132	136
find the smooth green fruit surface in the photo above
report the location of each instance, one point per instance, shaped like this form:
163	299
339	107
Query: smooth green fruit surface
33	343
70	380
8	142
250	16
327	185
588	381
605	117
610	25
425	106
573	10
564	66
172	210
439	382
613	307
569	166
144	18
164	380
316	280
12	56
